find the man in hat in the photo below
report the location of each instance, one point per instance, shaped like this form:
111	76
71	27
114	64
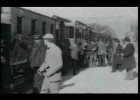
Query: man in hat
128	58
36	58
51	67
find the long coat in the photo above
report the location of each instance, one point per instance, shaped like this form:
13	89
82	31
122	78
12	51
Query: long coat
37	55
36	59
128	55
117	56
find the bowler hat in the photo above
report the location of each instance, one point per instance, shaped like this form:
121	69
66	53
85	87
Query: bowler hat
127	39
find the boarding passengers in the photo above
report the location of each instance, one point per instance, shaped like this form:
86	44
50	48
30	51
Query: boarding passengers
51	67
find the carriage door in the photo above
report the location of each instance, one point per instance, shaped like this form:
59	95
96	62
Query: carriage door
6	37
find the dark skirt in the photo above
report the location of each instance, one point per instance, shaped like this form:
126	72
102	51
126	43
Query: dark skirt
117	59
129	62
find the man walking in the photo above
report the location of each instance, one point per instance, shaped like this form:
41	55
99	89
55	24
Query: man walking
51	67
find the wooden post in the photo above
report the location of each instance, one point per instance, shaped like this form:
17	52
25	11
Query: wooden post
75	30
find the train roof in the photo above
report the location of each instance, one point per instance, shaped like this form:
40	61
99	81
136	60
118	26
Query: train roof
79	22
35	12
60	18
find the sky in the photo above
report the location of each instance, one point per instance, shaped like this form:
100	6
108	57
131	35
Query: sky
118	18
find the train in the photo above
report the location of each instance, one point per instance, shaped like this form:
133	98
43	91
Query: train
19	25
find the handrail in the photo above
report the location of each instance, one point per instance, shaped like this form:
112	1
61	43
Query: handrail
18	62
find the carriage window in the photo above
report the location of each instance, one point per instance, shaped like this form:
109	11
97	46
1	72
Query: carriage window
67	32
33	27
51	28
71	32
44	28
19	25
0	9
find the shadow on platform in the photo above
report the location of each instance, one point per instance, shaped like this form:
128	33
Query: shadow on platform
66	85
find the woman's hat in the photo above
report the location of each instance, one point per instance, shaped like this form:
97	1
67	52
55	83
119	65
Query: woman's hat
127	39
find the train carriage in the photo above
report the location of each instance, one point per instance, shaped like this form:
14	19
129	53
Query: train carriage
18	26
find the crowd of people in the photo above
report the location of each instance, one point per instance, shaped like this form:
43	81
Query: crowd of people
48	60
96	53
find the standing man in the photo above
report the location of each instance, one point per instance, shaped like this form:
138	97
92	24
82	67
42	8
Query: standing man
64	46
95	53
36	58
81	55
51	67
74	56
84	45
90	53
91	47
101	53
128	58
